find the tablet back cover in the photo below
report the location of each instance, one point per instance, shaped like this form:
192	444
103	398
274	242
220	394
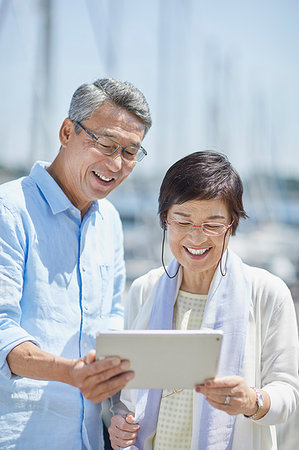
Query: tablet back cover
167	359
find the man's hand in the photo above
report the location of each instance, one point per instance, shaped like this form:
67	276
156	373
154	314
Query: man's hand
99	379
123	431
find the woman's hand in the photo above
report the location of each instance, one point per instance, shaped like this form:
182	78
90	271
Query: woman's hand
122	431
232	395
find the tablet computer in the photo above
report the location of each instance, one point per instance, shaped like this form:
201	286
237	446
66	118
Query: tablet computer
164	359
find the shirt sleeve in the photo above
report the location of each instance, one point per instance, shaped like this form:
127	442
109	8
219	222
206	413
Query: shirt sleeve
280	358
12	263
116	313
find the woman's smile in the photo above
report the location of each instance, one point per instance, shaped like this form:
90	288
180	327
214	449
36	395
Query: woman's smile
197	252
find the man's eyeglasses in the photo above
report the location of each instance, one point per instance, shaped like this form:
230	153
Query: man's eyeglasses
208	228
108	147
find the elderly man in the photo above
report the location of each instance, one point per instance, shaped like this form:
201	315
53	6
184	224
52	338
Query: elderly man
62	274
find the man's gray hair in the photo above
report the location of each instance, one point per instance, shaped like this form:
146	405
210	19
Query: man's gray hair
89	97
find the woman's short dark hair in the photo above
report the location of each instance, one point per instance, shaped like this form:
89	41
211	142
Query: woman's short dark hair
202	176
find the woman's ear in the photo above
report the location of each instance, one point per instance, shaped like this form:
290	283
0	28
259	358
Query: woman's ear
66	131
164	223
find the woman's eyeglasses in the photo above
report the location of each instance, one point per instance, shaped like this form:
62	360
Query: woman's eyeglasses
208	228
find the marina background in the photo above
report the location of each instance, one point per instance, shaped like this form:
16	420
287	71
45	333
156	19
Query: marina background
219	75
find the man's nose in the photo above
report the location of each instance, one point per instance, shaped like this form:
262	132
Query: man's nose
115	161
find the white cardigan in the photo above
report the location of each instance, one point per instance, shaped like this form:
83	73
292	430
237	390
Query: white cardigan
271	353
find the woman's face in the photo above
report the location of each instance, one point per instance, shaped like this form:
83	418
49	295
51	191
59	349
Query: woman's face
194	250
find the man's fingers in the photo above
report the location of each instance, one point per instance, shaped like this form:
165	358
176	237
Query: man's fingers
98	391
101	365
95	377
99	379
103	369
90	357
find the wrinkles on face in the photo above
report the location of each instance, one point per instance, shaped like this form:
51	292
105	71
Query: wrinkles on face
83	173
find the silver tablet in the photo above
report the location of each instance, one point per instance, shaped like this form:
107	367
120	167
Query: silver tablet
164	359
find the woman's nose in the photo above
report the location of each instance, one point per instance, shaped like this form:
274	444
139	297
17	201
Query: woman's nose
198	234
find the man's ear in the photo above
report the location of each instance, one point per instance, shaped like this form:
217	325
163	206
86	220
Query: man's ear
66	131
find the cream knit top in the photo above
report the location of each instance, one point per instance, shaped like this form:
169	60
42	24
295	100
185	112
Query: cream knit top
174	427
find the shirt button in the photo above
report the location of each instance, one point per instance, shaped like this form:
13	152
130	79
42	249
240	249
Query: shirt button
83	269
86	307
85	344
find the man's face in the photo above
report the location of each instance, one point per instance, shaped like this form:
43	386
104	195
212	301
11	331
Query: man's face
88	174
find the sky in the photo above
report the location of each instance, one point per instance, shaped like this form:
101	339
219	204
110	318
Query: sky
218	74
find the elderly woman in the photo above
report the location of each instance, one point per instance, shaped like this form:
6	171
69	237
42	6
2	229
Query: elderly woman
208	286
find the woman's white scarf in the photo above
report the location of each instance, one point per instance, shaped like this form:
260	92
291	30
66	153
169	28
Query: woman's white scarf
227	309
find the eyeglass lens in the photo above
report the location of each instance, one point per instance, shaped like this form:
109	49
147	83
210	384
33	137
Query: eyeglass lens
211	229
108	147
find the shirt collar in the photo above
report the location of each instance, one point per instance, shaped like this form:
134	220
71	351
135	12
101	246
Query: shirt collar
54	195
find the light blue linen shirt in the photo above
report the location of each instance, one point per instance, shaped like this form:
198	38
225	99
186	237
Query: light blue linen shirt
61	281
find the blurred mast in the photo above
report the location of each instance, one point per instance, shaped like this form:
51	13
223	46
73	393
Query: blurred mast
114	22
41	103
3	11
181	79
163	83
105	17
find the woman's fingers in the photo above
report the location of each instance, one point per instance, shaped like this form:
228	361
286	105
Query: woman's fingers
122	431
229	394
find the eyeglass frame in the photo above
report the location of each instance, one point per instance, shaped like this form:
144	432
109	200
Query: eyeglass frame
140	150
193	226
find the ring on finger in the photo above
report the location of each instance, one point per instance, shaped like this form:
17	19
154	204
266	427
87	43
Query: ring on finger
227	400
